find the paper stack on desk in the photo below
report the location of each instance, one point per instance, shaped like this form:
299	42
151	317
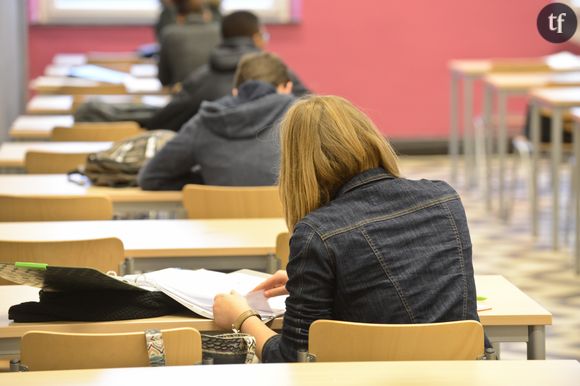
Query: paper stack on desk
196	289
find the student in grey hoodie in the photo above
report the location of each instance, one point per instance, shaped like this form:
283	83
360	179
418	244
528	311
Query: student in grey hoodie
233	141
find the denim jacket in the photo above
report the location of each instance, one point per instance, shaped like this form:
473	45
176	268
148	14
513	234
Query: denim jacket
384	250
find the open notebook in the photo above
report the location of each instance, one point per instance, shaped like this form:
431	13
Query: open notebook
194	289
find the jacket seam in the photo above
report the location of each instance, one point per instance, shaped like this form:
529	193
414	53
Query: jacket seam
300	278
391	215
461	259
387	272
365	181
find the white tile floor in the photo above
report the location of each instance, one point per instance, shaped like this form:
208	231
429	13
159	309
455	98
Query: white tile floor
509	249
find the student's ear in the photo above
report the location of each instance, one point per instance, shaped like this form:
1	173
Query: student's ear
259	40
285	88
235	92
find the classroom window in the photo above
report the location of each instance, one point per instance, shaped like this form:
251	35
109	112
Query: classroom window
106	12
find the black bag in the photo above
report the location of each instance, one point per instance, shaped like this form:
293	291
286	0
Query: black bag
119	166
95	306
98	111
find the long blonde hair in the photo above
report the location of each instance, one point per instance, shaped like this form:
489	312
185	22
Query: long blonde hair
326	141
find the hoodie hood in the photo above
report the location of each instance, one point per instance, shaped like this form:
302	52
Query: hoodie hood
225	57
256	108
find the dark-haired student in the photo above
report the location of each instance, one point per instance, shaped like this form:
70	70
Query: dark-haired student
233	141
367	245
186	45
241	34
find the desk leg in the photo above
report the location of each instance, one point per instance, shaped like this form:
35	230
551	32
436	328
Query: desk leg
468	145
502	150
556	160
497	349
454	128
535	134
488	138
576	176
536	342
272	263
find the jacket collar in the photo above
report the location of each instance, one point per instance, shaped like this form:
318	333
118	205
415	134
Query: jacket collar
364	178
194	18
242	41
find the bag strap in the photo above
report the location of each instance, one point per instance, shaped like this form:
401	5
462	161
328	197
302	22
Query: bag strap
155	347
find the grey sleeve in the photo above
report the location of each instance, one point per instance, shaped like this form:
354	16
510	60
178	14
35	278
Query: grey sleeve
171	168
163	67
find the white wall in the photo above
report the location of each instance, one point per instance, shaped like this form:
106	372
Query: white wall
13	62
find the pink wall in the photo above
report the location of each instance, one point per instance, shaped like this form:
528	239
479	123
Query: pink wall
389	57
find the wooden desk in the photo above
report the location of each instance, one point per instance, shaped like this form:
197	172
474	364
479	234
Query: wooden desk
67	104
441	373
466	73
576	181
38	126
502	86
514	317
216	244
76	86
12	154
125	200
138	70
558	101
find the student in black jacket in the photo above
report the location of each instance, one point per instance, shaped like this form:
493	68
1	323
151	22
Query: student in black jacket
233	141
241	34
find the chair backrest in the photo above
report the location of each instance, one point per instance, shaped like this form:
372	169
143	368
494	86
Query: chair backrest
283	249
334	341
41	162
96	132
63	351
55	208
102	254
207	202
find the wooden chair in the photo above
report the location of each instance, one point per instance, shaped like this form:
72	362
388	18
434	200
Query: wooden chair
55	208
207	202
42	351
96	132
283	249
40	162
101	254
334	341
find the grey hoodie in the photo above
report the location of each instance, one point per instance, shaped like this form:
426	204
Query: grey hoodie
234	141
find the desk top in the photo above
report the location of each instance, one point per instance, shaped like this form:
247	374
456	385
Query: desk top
448	373
512	307
38	126
558	97
66	104
526	81
560	62
139	70
75	86
161	238
12	154
58	185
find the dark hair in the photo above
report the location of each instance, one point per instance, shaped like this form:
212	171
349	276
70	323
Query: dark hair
185	7
240	24
262	66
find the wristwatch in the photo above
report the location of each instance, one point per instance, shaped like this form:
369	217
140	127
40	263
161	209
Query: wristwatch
237	324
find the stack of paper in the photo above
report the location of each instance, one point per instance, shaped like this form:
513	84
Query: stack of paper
196	289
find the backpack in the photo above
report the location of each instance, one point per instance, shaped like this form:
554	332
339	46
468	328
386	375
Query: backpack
120	165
